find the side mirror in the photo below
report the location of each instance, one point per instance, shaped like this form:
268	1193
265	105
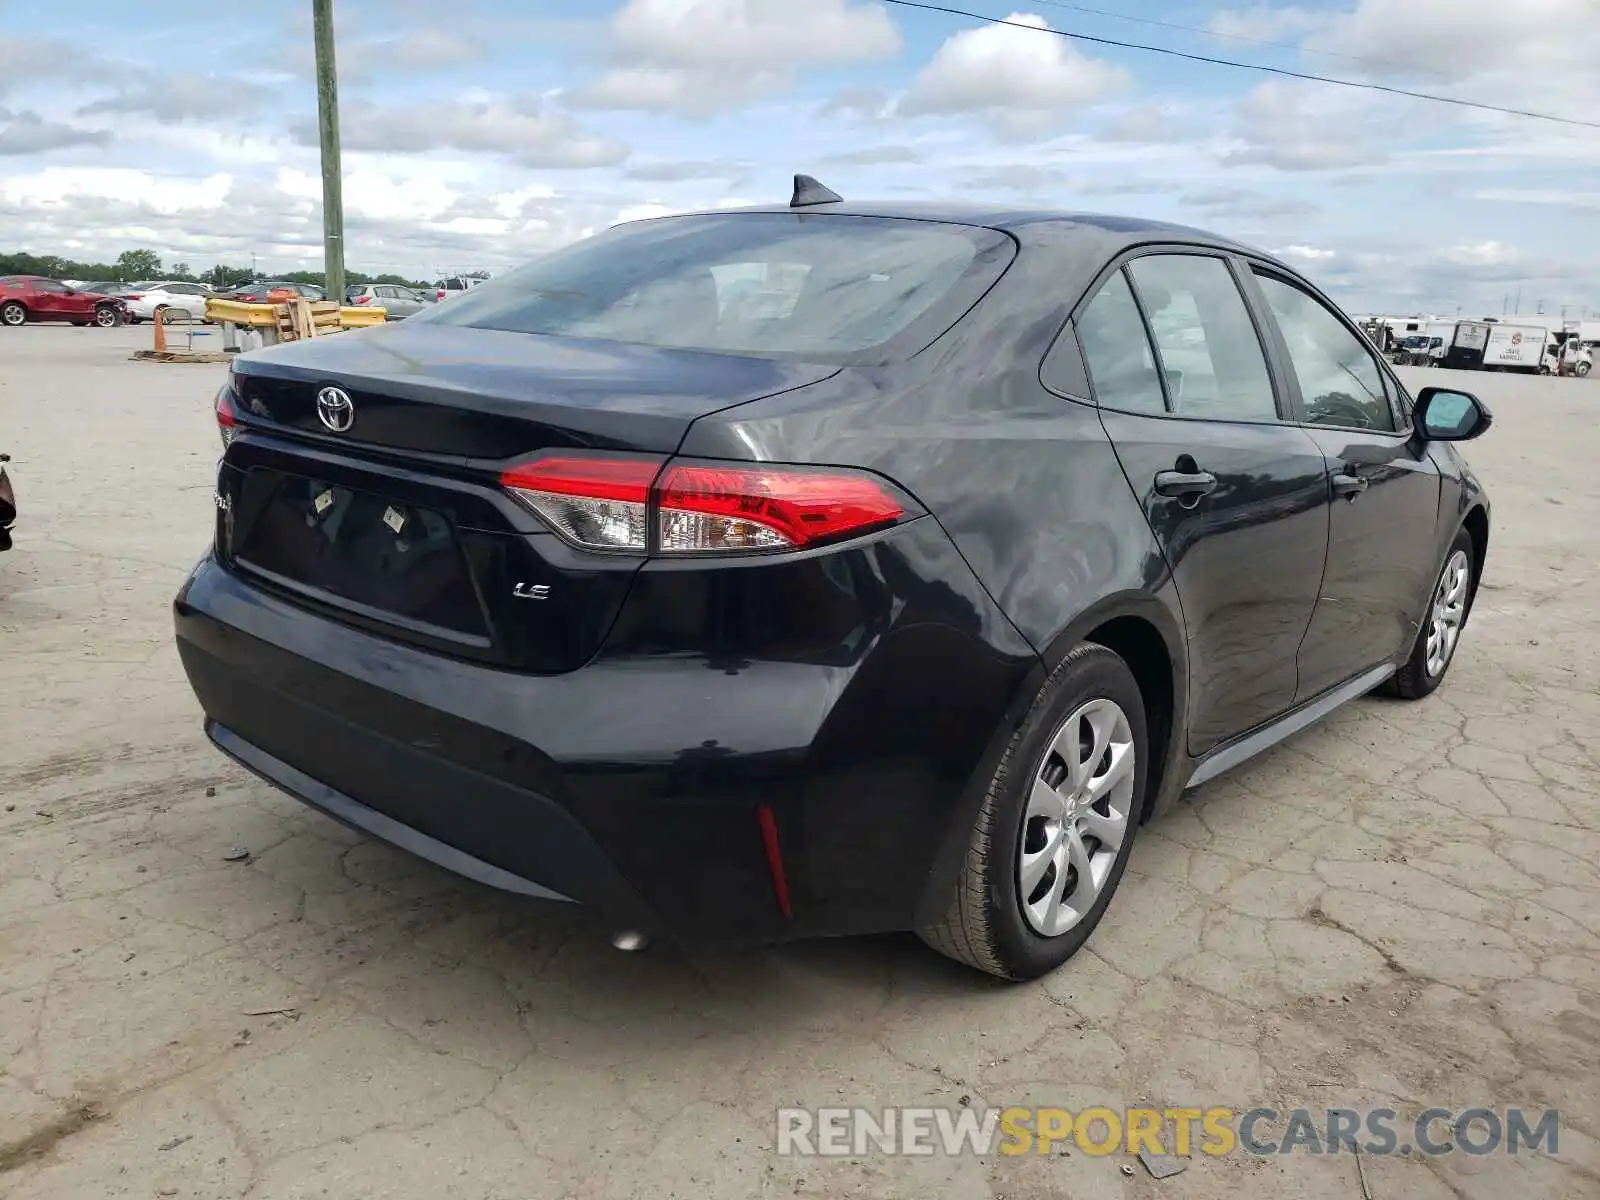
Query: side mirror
1446	415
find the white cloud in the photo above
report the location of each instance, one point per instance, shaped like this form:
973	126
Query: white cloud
29	133
691	93
699	57
1020	78
27	60
1555	197
1481	254
183	96
361	54
1306	253
1265	23
1247	204
1542	51
522	128
1145	123
738	34
162	194
864	104
1305	127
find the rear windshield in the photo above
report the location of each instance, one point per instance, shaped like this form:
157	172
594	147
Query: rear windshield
766	284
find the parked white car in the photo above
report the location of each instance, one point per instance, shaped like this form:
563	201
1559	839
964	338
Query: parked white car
456	285
179	301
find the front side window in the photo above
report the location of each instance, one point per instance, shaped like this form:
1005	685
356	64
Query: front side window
1116	348
826	287
1340	383
1211	356
49	285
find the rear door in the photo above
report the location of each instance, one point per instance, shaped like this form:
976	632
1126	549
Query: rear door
1236	495
1381	540
398	303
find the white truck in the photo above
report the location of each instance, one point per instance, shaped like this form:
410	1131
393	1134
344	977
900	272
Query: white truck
1588	332
1441	336
1523	348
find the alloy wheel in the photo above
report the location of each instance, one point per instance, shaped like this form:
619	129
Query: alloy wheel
1448	612
1077	817
13	314
105	318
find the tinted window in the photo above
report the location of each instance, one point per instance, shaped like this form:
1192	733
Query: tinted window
1121	367
813	286
1209	349
49	285
1340	383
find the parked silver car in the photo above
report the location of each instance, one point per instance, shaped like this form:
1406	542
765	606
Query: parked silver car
400	301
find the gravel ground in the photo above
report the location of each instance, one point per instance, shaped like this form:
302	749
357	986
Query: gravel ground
1399	907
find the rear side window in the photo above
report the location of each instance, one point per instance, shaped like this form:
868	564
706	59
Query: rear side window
1122	368
826	287
1210	354
1340	383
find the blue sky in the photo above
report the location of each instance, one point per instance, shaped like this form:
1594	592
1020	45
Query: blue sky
478	132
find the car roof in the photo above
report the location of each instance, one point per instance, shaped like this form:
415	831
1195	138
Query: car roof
1010	218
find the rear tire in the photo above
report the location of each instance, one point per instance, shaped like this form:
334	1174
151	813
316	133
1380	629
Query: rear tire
1440	636
1041	867
12	314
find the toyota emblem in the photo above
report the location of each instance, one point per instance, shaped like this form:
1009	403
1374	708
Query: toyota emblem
337	410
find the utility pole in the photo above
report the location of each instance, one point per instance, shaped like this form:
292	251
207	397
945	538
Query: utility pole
328	129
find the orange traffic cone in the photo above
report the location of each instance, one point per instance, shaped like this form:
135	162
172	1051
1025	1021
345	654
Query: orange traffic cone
161	333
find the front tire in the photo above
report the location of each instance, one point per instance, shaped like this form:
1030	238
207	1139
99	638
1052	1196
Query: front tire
105	316
1057	822
12	314
1440	636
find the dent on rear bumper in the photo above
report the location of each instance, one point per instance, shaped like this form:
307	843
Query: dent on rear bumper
653	760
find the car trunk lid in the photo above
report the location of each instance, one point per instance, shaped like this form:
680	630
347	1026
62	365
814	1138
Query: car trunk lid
470	393
398	524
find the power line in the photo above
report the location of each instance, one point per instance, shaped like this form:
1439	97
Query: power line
1245	66
1214	33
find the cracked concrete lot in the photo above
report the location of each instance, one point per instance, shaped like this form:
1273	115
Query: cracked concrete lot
1399	908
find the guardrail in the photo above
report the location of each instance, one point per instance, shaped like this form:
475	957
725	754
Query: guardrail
277	322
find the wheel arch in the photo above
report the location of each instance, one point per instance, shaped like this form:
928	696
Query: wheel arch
1140	644
1146	631
1476	523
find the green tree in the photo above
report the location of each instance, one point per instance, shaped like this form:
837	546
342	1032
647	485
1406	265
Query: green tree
138	264
181	271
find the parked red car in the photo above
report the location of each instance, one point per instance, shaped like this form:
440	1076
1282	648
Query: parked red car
25	298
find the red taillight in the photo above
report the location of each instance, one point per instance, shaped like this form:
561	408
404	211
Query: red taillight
363	299
132	295
599	503
227	419
708	507
612	502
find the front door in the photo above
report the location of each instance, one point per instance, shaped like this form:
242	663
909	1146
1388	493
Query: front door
1381	539
51	300
1236	496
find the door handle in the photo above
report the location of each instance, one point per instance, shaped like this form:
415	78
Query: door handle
1349	486
1188	485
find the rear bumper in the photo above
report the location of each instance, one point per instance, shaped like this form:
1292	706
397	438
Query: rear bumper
634	784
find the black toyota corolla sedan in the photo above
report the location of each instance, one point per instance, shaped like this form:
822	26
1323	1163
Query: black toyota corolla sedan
824	569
